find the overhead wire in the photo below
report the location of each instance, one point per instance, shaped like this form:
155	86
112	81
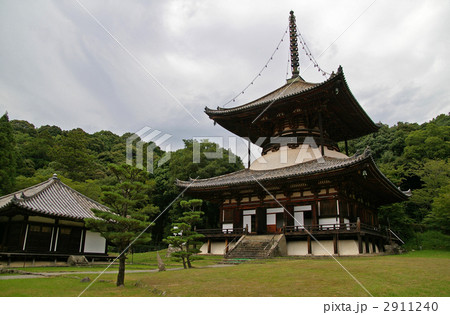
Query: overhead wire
260	72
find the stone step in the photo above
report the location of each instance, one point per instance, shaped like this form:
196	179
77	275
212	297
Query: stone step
252	246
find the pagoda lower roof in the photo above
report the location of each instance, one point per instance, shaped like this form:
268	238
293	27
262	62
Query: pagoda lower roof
344	118
52	198
316	169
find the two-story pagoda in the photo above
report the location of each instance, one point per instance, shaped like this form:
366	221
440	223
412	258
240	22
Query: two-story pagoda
302	186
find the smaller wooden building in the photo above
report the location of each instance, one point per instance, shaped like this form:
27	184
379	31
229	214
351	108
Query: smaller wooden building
47	221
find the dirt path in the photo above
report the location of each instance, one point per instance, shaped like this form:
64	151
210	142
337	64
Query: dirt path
66	273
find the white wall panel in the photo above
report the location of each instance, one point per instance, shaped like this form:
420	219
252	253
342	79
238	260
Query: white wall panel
94	243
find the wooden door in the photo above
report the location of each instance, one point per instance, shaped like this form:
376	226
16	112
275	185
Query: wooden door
261	221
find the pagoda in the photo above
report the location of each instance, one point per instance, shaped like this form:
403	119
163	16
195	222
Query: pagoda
303	193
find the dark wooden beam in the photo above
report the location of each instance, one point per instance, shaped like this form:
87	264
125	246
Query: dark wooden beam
360	247
335	244
309	244
321	133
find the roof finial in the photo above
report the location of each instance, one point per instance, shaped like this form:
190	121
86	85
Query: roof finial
294	45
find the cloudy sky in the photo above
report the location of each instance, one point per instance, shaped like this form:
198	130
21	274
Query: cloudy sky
125	65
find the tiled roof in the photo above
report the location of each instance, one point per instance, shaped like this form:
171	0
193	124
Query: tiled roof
53	198
246	176
294	87
249	177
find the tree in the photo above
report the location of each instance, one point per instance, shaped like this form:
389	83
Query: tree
7	156
186	238
439	217
128	221
73	157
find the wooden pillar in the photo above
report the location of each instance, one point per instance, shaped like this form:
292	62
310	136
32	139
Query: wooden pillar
315	209
321	133
335	244
249	151
380	245
309	244
360	246
366	241
209	246
374	248
226	245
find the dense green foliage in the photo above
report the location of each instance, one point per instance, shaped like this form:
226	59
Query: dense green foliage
7	156
414	157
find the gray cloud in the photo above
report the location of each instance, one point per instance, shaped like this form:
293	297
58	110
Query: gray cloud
57	66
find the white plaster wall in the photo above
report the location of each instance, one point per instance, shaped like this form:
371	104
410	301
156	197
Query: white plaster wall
287	157
94	243
275	210
330	221
298	218
226	226
297	248
217	248
348	247
303	208
319	251
204	248
271	219
248	222
345	247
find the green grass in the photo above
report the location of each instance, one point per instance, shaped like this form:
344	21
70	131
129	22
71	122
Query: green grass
424	273
428	253
138	261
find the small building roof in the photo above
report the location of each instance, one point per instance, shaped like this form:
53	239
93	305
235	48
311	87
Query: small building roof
52	198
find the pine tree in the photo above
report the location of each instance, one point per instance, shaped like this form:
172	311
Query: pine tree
7	156
129	219
186	238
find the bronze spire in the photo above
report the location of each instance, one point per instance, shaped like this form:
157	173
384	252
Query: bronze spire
294	45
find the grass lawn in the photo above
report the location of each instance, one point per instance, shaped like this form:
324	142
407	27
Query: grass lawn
424	273
138	261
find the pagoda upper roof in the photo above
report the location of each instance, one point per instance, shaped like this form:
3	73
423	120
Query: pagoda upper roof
316	169
52	198
344	117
